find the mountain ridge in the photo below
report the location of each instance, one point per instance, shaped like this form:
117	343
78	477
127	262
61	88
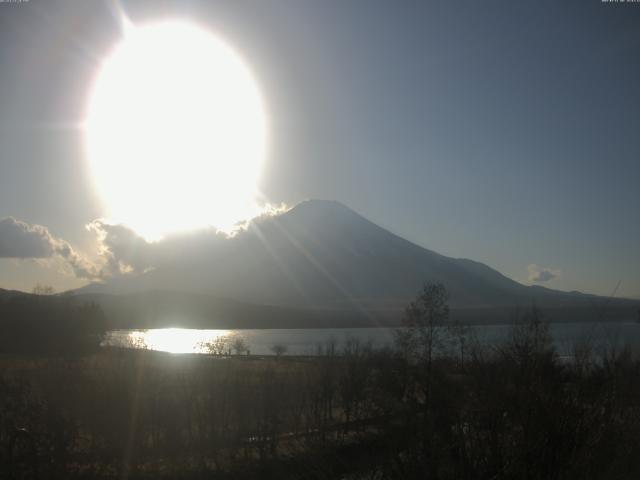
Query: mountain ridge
322	254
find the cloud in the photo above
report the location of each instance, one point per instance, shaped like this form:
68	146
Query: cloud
82	268
125	252
22	240
121	250
542	274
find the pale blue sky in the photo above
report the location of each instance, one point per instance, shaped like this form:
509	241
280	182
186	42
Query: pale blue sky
505	132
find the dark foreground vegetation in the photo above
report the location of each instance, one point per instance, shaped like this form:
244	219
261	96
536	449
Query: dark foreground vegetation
436	406
50	324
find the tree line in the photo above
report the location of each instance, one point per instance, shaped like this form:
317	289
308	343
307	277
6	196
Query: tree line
47	323
435	405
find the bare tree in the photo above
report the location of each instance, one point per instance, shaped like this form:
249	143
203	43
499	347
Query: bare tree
424	324
41	289
239	345
218	346
460	333
278	349
529	337
425	333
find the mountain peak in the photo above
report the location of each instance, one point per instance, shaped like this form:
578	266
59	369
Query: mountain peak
316	204
329	218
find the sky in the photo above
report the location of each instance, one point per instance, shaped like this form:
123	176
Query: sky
505	132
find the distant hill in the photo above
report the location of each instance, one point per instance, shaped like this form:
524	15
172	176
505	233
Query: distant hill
4	294
159	309
322	263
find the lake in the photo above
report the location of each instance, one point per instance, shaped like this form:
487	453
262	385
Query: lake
306	341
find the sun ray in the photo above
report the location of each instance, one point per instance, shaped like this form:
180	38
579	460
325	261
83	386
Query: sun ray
324	272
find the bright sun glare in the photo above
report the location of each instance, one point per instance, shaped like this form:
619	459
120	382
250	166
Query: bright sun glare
176	340
175	131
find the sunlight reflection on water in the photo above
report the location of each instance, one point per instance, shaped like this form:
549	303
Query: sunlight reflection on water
178	340
258	342
307	341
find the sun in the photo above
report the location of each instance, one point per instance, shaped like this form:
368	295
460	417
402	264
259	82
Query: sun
175	131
